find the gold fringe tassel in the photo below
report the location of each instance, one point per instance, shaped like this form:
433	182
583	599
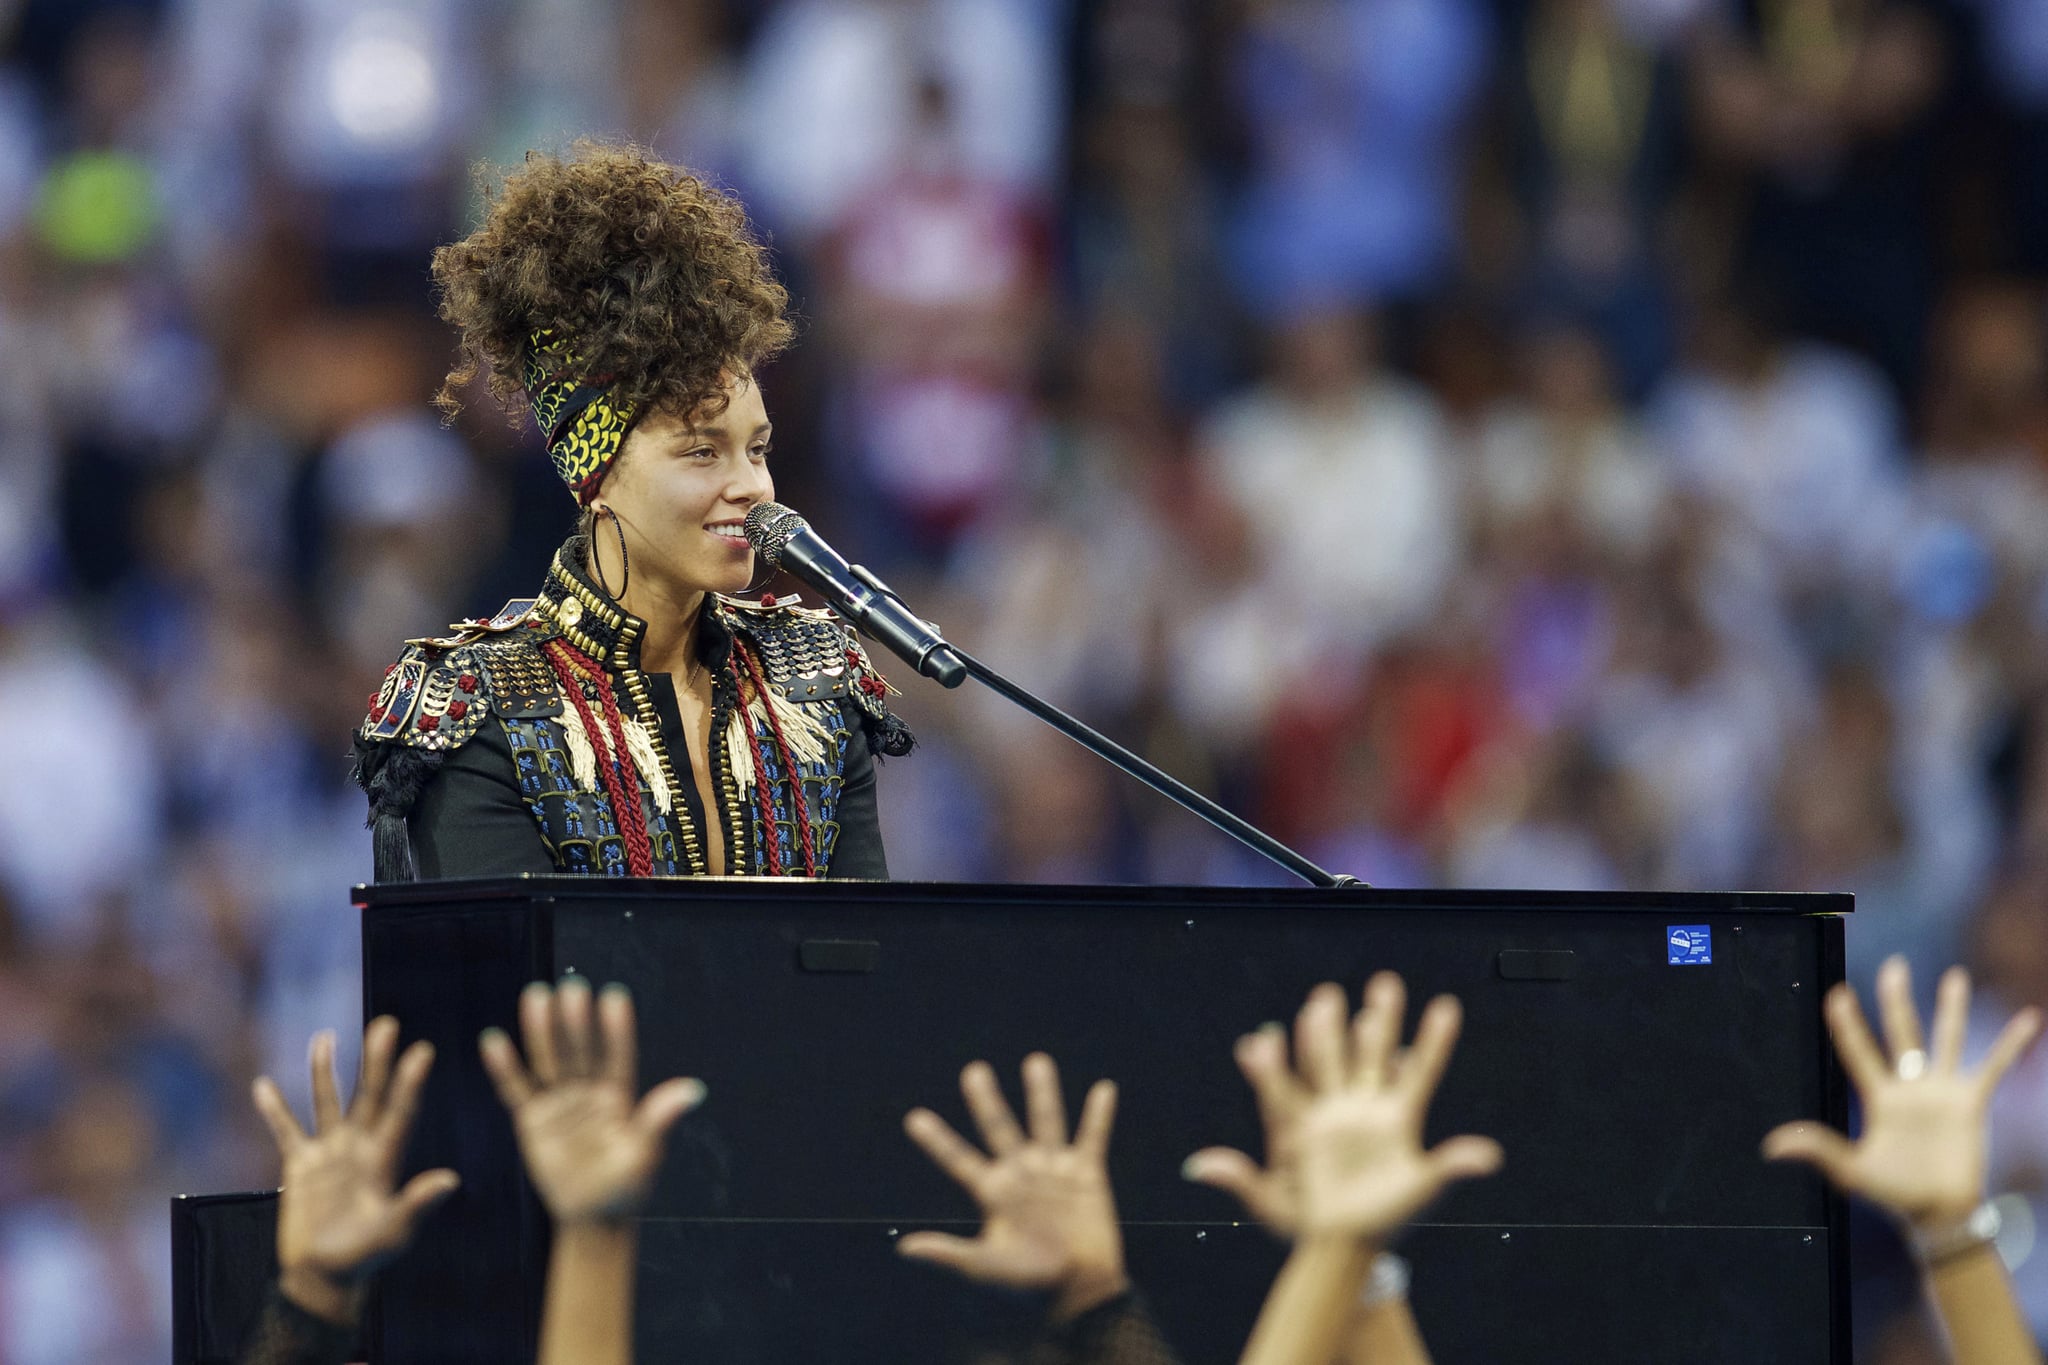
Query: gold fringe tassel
584	756
738	752
641	749
807	738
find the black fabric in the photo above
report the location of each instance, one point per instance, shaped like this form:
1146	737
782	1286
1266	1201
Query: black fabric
859	852
662	688
471	820
1119	1332
286	1334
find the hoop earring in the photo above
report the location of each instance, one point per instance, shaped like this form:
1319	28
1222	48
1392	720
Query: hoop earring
625	562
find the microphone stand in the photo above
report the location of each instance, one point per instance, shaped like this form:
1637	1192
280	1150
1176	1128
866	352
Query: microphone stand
936	661
1153	776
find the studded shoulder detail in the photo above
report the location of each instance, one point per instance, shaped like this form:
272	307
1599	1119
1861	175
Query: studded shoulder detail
521	684
807	654
430	699
441	690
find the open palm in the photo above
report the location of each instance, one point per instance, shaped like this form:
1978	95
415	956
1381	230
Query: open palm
1923	1150
1048	1215
591	1150
1344	1126
341	1213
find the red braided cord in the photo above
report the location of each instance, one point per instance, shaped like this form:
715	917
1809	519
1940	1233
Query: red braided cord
618	777
796	786
639	847
571	678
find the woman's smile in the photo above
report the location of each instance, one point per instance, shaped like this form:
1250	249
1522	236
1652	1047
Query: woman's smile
732	534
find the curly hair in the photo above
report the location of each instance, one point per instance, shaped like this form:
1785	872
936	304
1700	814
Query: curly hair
652	275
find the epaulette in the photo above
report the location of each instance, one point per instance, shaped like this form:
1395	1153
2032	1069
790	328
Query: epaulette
809	655
430	699
443	688
514	614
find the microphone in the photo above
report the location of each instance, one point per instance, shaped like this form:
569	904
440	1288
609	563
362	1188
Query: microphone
788	543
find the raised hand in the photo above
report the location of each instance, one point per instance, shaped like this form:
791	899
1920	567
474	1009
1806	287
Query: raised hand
591	1151
1269	1193
339	1214
1048	1217
1363	1170
1344	1133
1922	1155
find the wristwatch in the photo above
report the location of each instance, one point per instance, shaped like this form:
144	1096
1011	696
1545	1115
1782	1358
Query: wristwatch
1945	1242
1385	1282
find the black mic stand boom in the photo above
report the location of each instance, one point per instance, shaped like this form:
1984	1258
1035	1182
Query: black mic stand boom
938	661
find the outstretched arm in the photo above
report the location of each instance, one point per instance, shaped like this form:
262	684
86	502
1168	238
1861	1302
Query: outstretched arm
340	1213
592	1153
1380	1330
1353	1116
1923	1153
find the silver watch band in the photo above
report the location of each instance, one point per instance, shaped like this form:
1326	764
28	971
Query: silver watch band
1385	1282
1978	1228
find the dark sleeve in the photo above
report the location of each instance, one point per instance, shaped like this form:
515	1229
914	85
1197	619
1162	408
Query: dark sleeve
858	851
1119	1332
286	1334
471	820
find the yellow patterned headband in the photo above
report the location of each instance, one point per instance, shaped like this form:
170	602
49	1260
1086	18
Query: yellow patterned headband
583	426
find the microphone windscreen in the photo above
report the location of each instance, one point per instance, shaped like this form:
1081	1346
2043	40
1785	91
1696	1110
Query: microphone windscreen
769	527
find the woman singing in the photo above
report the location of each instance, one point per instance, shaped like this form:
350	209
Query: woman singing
634	718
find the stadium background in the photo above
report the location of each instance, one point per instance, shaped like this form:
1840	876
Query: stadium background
1595	443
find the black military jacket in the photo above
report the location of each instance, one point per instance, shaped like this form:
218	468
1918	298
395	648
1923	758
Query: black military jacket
477	763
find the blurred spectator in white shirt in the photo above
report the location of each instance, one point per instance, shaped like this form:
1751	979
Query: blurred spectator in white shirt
81	823
83	1275
1074	575
1848	816
1986	463
831	96
396	485
1800	441
1694	719
1569	449
1342	474
1530	828
1232	651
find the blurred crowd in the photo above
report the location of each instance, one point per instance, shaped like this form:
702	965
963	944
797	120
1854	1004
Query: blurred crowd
1514	443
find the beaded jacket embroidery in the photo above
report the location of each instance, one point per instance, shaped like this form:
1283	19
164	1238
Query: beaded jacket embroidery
560	675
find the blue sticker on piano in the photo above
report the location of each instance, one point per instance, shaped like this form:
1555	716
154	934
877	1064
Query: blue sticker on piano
1689	944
